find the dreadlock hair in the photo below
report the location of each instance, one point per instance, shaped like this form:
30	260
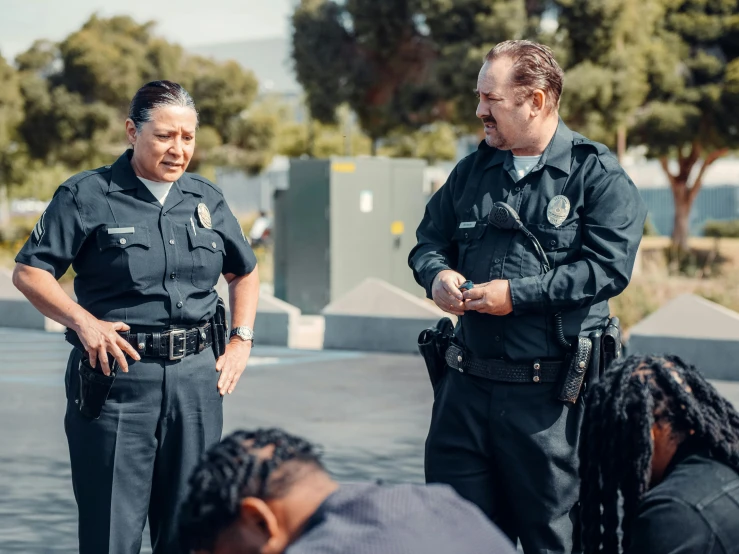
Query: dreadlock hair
616	447
240	466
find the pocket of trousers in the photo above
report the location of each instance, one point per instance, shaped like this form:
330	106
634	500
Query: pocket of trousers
94	389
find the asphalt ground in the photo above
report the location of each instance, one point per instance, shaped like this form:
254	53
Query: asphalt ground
370	413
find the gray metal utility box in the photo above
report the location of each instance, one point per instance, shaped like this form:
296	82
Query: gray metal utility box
342	220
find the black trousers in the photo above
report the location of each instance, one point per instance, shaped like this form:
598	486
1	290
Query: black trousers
135	459
511	449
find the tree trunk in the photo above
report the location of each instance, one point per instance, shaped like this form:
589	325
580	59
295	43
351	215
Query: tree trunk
684	193
373	150
681	227
621	143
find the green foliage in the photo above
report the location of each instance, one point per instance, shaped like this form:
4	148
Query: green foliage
722	229
368	54
65	104
695	104
433	143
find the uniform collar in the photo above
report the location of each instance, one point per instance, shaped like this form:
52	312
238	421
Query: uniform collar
124	178
558	152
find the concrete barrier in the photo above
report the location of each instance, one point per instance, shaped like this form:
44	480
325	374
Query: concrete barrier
377	317
699	331
277	322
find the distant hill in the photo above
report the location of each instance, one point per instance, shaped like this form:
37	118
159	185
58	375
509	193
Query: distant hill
268	58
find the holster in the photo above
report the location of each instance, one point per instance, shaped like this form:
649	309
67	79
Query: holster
577	363
432	344
611	343
94	387
220	329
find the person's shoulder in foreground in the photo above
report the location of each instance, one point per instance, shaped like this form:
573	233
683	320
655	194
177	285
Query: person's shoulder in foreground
694	509
267	492
368	518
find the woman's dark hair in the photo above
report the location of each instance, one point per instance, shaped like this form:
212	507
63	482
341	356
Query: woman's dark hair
157	94
244	464
616	446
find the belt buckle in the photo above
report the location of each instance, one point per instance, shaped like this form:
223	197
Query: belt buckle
179	334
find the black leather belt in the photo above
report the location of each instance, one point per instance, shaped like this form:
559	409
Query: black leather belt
500	370
173	344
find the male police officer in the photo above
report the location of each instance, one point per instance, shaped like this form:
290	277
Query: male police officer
500	437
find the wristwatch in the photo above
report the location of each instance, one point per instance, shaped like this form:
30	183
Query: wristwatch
243	332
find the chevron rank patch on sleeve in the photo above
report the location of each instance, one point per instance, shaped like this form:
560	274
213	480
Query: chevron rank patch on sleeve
38	230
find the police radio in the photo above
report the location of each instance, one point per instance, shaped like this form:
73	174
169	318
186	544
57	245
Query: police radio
503	216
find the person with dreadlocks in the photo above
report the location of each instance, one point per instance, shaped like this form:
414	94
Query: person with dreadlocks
658	437
267	492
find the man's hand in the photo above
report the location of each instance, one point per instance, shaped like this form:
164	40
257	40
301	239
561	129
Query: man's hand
232	364
445	292
101	338
492	298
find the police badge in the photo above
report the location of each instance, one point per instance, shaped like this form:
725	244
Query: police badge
204	216
558	210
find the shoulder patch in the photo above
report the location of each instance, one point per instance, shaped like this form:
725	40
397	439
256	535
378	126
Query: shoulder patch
39	229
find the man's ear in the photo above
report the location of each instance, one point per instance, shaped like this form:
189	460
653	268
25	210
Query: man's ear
538	102
256	513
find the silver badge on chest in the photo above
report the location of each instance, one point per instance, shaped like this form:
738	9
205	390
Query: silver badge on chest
558	210
204	216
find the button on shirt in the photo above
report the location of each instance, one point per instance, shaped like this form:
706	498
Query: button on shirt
135	260
401	519
694	510
590	235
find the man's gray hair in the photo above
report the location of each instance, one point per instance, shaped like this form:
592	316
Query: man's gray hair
534	67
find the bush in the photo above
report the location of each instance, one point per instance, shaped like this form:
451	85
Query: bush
722	229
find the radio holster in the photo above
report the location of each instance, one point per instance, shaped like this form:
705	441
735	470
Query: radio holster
577	363
220	329
433	344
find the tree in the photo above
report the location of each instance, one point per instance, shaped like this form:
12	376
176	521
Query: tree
11	114
369	54
76	94
433	143
668	70
401	65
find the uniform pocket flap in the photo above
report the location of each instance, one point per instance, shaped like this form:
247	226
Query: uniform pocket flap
205	238
468	231
556	238
123	236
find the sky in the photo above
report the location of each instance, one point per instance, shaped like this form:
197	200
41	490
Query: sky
187	22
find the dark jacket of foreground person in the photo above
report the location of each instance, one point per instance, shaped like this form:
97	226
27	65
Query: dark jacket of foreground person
267	492
695	509
400	519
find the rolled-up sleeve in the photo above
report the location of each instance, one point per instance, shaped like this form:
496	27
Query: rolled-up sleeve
240	259
435	251
612	226
57	236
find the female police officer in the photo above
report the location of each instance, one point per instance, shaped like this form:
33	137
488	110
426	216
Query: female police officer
148	243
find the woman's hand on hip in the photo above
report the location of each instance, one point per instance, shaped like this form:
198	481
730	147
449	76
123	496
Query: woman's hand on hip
232	364
101	338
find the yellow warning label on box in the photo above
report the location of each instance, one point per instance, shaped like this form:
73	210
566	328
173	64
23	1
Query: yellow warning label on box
344	167
397	228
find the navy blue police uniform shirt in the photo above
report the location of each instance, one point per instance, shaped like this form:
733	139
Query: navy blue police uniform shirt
399	519
591	250
135	260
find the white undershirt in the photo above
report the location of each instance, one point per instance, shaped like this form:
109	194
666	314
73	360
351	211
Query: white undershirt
524	164
160	190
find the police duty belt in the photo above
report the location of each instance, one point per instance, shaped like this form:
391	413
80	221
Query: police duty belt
500	370
172	344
